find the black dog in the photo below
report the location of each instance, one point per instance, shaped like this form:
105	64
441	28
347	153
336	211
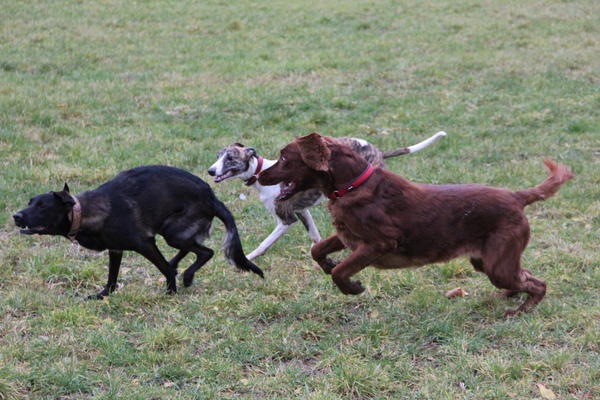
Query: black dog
128	211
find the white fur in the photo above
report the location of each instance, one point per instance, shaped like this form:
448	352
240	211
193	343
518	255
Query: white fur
362	142
278	232
426	142
218	165
267	195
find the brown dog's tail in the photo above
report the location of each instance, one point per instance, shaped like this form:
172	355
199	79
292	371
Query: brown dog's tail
415	147
559	174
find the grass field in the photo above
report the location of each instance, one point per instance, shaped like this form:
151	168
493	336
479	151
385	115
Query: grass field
89	88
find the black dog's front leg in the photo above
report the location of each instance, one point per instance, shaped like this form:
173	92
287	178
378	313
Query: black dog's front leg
114	263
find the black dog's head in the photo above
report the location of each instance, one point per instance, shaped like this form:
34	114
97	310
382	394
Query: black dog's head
46	214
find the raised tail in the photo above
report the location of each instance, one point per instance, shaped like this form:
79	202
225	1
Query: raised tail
559	174
415	147
232	245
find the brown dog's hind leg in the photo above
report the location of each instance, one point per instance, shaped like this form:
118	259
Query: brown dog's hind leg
320	250
477	264
502	265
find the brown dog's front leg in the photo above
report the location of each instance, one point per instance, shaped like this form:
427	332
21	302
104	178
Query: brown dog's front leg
360	258
320	250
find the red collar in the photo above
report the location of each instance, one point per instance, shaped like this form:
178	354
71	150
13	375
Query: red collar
357	182
250	181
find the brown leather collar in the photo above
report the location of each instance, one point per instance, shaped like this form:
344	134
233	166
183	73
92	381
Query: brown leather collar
252	180
75	219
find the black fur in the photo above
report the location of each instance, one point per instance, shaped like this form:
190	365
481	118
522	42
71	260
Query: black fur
128	211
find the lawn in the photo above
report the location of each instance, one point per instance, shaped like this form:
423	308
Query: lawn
89	88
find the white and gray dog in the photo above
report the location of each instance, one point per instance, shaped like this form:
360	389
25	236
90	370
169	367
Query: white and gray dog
239	161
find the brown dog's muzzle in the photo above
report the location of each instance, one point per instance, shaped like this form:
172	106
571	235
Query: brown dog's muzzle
270	176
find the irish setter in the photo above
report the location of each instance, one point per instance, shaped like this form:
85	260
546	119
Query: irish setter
390	222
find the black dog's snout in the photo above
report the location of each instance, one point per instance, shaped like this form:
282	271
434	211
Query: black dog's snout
211	171
18	217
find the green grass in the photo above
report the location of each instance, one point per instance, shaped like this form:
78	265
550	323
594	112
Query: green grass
89	88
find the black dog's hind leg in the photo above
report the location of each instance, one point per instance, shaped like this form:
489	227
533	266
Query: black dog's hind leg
114	263
203	254
178	257
151	252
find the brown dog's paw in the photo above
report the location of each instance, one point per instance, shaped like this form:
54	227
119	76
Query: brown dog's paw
511	312
353	287
328	265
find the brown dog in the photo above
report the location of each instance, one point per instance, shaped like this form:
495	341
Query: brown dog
390	222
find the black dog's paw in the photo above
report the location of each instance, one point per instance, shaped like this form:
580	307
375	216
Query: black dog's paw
188	279
171	290
98	296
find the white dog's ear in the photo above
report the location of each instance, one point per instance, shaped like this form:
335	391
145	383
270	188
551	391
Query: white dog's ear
249	152
314	151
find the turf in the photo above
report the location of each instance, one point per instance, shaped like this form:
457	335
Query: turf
89	88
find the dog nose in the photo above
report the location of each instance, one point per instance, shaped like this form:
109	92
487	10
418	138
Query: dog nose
211	171
18	217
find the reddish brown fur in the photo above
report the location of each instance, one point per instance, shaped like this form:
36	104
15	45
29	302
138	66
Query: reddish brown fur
390	222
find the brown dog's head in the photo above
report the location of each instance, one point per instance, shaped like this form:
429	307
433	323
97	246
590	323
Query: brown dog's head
306	163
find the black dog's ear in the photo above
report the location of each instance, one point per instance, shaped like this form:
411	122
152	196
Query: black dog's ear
314	151
65	197
249	152
66	188
238	144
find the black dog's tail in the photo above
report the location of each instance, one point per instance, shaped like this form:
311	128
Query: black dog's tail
233	245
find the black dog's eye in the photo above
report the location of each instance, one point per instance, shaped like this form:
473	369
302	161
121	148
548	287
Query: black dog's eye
282	158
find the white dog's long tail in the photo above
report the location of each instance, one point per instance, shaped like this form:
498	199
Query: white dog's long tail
415	147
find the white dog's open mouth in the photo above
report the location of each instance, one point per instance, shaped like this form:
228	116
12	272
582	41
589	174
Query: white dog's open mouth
287	190
226	175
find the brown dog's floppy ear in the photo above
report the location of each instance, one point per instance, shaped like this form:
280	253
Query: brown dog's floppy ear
314	151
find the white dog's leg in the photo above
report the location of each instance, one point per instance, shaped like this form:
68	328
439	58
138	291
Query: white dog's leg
313	232
278	232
